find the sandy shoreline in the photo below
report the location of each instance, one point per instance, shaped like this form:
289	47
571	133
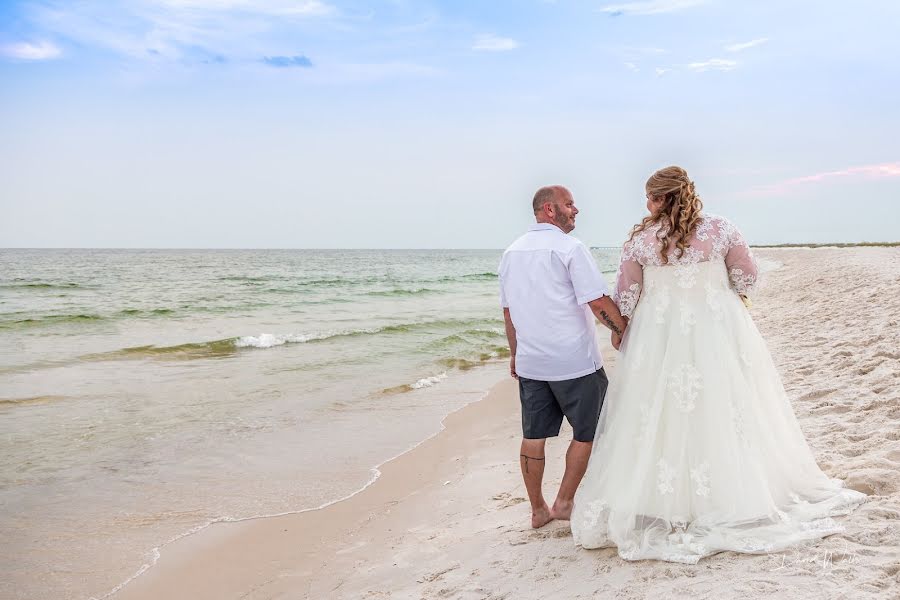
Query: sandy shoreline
449	520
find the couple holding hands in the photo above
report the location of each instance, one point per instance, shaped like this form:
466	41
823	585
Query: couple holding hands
694	448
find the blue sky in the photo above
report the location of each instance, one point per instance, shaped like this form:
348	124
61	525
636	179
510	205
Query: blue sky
399	123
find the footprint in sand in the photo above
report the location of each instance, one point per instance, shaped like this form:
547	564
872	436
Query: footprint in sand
874	482
874	513
546	533
431	577
852	452
893	455
879	537
506	500
816	394
866	369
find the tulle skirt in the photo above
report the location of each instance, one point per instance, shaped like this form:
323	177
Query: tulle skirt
698	449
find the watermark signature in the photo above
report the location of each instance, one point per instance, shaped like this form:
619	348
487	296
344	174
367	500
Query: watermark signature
824	559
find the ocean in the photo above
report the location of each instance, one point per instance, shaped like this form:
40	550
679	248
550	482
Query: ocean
145	394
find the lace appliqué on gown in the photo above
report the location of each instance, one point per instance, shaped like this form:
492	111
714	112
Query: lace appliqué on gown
628	299
665	476
684	385
700	477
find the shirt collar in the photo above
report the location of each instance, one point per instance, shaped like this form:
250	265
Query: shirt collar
545	227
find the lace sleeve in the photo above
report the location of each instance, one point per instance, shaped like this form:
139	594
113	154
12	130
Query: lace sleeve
742	268
629	281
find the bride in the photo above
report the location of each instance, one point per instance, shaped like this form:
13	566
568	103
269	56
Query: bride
698	447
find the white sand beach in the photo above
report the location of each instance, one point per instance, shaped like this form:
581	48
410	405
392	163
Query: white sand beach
449	519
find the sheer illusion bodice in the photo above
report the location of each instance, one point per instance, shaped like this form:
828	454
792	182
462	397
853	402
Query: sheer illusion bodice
716	239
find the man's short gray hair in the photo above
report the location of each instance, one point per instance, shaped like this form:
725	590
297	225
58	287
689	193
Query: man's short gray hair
548	193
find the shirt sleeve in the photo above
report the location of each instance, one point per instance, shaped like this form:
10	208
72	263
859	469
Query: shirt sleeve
629	283
743	270
504	302
586	278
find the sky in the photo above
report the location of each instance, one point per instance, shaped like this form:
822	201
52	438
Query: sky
430	124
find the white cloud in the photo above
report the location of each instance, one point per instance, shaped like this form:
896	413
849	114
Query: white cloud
179	29
632	67
650	7
29	51
661	71
493	43
713	64
310	8
745	45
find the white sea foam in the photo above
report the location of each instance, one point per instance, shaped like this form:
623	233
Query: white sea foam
269	340
429	381
494	330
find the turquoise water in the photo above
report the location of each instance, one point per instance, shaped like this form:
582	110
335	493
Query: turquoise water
144	394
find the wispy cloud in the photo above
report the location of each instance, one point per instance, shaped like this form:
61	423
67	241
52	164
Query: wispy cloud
288	61
661	71
632	67
31	51
282	8
744	45
493	43
713	64
176	30
876	171
650	7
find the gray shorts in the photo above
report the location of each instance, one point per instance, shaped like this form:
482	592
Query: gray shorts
545	402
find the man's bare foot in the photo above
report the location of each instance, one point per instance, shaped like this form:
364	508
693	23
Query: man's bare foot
540	517
562	510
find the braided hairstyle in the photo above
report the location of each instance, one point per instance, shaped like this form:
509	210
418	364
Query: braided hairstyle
680	212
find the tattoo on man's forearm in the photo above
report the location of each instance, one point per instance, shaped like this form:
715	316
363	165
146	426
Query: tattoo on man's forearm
609	323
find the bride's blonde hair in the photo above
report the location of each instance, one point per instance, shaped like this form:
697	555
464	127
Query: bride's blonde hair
680	212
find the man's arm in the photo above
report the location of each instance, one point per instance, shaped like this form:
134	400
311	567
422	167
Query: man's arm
608	314
511	338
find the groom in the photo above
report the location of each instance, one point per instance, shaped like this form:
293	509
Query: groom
550	291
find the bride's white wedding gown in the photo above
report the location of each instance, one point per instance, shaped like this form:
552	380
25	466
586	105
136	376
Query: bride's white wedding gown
698	450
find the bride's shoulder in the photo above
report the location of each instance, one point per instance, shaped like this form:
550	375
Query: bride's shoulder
642	246
710	221
716	219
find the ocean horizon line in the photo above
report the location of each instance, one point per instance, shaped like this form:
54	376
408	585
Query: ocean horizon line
414	249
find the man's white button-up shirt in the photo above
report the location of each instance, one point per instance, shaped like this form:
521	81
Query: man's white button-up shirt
547	279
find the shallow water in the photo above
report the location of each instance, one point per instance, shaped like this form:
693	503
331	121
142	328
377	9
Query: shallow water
144	394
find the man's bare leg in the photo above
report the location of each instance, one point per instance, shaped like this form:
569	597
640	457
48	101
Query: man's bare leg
531	460
576	464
